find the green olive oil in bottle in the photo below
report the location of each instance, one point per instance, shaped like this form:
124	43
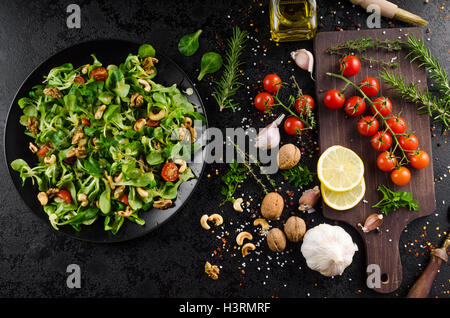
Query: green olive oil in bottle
292	20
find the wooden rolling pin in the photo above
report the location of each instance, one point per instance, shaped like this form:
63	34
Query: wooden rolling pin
422	286
391	10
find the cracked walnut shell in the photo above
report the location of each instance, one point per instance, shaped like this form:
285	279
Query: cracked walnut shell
212	271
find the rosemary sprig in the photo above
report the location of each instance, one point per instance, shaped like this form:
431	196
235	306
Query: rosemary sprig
229	82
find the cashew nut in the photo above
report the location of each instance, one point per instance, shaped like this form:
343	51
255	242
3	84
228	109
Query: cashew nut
188	121
118	191
33	147
147	86
50	160
139	124
143	193
158	116
125	213
99	113
264	225
119	177
83	199
182	164
162	204
237	205
43	198
204	222
85	69
110	180
248	247
242	236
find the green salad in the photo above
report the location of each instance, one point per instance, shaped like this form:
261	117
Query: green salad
110	142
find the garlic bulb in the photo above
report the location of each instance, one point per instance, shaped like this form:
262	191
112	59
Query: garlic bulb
304	59
269	137
328	249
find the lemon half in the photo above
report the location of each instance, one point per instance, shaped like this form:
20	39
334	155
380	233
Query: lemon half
340	169
343	200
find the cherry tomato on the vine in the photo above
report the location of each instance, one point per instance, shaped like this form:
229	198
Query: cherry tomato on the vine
408	142
334	99
370	86
170	172
419	159
386	161
293	125
99	73
381	141
401	176
355	106
383	105
397	124
272	83
263	101
349	65
302	102
65	195
368	126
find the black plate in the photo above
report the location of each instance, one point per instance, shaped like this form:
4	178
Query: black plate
16	142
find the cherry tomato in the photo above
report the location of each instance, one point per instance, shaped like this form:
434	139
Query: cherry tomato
152	123
368	126
381	141
43	151
86	122
408	142
79	80
386	161
355	106
272	83
263	101
419	160
383	105
401	176
349	65
99	73
170	172
124	198
302	102
397	124
293	125
65	195
370	86
334	99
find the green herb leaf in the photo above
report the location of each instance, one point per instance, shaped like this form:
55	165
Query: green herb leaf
188	44
393	201
298	176
211	62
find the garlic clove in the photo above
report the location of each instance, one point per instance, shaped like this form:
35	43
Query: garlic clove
309	199
372	222
304	59
269	137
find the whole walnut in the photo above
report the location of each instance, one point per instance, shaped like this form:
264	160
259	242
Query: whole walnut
295	229
288	156
276	240
272	206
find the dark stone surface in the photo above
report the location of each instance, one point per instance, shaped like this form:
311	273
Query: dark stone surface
169	261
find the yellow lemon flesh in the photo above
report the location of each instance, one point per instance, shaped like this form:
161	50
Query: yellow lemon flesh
343	200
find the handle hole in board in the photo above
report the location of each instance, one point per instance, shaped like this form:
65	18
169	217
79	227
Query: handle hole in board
384	278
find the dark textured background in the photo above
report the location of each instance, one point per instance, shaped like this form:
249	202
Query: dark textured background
169	261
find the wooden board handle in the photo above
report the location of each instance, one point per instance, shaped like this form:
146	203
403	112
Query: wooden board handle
382	251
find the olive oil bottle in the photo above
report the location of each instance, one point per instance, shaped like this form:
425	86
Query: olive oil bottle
292	20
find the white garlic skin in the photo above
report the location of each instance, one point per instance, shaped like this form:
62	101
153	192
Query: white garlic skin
304	59
328	249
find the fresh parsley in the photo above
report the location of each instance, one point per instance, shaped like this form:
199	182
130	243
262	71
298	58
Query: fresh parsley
232	179
298	176
392	201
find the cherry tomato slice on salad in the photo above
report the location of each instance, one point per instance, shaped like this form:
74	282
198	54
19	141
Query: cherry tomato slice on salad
86	122
170	172
355	106
386	161
65	195
302	102
401	176
408	142
43	151
272	83
99	73
349	65
397	124
419	159
263	101
370	86
368	126
381	141
383	105
293	125
334	99
79	80
152	123
124	198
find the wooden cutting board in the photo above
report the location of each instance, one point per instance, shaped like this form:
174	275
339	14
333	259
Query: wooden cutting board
382	247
